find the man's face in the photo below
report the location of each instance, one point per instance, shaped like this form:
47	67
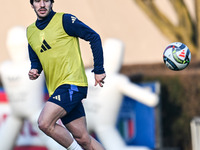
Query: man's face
42	8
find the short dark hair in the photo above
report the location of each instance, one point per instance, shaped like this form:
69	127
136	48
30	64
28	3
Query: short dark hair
31	1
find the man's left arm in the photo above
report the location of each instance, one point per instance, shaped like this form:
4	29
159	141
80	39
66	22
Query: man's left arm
76	28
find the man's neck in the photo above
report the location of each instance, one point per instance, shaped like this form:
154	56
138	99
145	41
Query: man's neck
41	24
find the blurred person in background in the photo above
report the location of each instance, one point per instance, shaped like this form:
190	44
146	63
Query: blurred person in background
54	48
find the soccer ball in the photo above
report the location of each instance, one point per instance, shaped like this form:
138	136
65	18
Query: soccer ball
177	56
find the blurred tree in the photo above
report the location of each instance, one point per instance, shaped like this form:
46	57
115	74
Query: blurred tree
186	31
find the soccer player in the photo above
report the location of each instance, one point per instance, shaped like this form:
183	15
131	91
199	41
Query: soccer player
54	48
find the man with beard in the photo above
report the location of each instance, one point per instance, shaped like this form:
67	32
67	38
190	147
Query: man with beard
54	48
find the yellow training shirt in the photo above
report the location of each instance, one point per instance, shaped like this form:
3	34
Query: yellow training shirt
58	53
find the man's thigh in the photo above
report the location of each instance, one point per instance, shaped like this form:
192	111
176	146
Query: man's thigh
51	113
65	104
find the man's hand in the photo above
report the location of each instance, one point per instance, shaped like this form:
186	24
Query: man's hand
33	74
99	79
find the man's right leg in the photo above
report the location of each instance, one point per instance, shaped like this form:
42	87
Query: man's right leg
47	123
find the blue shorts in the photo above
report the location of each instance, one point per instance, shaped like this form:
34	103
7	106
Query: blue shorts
69	97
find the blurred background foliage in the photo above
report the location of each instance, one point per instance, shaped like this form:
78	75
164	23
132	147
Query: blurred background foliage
179	89
187	30
179	99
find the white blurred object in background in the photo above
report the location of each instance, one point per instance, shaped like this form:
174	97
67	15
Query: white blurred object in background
195	133
25	97
102	104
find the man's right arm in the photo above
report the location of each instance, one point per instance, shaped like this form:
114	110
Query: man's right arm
33	74
36	67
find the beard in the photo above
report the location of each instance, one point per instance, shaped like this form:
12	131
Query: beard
41	17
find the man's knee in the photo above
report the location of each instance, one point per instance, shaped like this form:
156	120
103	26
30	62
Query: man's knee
84	140
45	127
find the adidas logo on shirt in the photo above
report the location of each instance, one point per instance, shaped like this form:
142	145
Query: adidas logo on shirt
57	97
45	46
73	19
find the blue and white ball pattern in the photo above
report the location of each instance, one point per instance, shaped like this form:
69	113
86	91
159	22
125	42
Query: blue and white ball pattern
177	56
